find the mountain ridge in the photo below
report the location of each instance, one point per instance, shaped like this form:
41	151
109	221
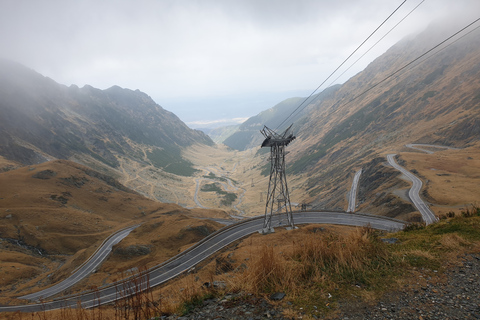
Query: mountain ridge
43	120
436	102
247	135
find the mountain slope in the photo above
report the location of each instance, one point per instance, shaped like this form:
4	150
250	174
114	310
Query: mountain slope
55	214
42	120
219	135
436	101
248	134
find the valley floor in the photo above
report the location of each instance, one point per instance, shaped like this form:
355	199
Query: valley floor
232	181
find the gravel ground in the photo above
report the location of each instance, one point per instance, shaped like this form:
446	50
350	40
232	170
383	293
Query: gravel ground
458	297
455	297
231	308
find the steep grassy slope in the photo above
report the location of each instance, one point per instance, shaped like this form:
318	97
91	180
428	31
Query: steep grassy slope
43	120
247	136
325	272
54	215
436	102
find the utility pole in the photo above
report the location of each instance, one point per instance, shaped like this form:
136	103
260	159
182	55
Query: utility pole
277	185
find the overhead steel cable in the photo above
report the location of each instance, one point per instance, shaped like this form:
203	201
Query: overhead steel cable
374	45
413	61
410	63
293	112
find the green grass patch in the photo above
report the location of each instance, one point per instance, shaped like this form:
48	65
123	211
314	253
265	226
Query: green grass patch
211	187
171	161
427	95
196	300
227	197
266	169
213	176
464	227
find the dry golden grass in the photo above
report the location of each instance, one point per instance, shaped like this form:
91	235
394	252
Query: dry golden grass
42	218
7	164
141	305
453	241
70	230
164	236
315	265
310	260
453	177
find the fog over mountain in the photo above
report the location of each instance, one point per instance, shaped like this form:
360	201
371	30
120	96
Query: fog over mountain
43	120
345	127
207	60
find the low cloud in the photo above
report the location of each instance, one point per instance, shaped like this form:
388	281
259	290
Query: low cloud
215	123
181	51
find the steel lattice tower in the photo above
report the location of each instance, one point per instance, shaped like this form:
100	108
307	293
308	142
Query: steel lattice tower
277	186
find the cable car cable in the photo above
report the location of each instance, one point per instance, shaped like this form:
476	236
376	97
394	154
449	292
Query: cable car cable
342	63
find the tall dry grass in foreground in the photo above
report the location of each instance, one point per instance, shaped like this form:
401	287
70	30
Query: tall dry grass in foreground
316	263
315	270
135	302
318	270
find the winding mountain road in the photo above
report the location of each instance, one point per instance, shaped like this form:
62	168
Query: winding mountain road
202	250
414	192
417	146
207	247
352	198
85	269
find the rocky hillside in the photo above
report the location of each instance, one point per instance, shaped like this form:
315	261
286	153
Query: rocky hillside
435	100
393	102
43	120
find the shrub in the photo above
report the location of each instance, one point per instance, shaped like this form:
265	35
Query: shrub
318	261
471	211
450	214
415	226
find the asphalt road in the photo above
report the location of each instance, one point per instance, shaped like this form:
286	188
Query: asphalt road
85	269
414	192
202	250
418	145
352	199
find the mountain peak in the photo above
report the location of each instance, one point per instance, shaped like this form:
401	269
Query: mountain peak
42	120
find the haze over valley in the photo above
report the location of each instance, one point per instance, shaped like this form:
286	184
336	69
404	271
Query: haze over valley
77	164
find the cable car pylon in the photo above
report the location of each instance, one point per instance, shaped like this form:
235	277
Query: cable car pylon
277	194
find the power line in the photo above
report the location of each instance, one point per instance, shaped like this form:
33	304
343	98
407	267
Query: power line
414	60
386	34
342	64
410	63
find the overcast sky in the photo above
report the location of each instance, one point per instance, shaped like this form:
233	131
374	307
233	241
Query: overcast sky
205	60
